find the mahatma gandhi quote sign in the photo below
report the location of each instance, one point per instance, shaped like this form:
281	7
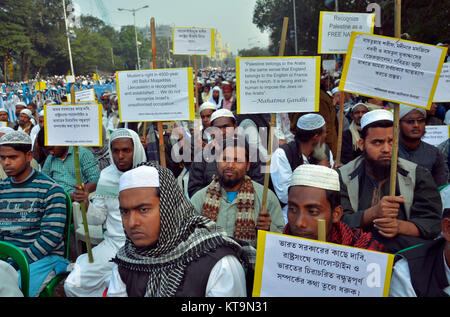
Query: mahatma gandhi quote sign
288	266
156	95
277	84
391	69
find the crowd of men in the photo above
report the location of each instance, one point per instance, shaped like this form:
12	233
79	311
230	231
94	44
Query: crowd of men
190	228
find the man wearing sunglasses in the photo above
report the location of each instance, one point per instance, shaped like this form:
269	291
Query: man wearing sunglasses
412	148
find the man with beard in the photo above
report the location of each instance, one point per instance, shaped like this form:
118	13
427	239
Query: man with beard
351	136
309	147
409	217
412	148
91	279
234	201
25	123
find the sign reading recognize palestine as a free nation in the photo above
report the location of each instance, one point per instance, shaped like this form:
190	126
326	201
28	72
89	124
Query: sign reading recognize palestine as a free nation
156	95
277	84
391	69
193	41
335	29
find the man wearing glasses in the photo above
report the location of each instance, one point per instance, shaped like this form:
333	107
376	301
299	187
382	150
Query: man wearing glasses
412	148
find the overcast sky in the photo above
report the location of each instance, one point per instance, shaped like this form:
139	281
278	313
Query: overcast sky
231	18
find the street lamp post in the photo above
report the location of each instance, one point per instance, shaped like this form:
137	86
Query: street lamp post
133	11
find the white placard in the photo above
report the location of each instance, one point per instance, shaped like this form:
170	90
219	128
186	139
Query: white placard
335	29
391	69
73	125
435	134
442	93
329	65
3	124
193	41
70	79
156	95
277	84
85	95
296	267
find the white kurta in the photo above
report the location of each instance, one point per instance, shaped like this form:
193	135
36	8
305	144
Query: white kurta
401	285
91	279
227	279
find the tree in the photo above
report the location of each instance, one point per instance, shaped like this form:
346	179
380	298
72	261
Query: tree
254	52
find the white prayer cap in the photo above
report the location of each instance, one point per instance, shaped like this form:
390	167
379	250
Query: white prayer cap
315	176
405	109
6	130
360	104
207	106
222	113
3	110
27	112
41	113
334	90
225	82
21	103
15	137
142	176
310	121
376	115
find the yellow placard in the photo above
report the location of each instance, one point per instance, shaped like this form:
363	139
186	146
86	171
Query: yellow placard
40	85
348	60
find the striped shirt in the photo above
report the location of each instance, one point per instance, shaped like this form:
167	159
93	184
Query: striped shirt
62	171
33	215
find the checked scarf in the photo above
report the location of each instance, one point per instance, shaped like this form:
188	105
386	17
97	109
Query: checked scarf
342	234
183	238
244	227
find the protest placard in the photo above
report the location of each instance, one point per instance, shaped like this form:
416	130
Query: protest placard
288	266
329	65
61	121
40	85
442	93
436	134
85	95
277	84
335	29
156	95
193	41
396	70
3	124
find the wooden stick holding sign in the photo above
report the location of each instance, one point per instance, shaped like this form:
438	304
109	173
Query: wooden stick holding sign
272	123
321	230
341	123
79	183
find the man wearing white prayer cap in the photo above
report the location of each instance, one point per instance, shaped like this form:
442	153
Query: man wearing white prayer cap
313	195
4	116
170	252
411	215
206	110
307	148
91	279
351	136
25	123
412	148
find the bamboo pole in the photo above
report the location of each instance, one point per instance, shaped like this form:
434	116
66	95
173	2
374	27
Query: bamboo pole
272	123
321	230
162	150
341	122
79	182
393	176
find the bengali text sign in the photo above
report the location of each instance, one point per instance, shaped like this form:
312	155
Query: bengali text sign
277	84
335	29
288	266
436	134
193	41
85	95
442	93
156	95
392	69
61	121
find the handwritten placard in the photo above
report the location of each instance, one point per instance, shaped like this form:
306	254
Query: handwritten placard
436	134
335	29
442	93
391	69
62	121
288	266
85	95
156	95
193	41
277	84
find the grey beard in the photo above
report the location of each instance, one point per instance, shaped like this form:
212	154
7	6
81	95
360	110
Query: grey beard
319	152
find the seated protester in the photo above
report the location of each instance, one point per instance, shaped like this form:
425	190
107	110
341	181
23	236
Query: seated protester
60	166
400	221
234	201
412	148
350	137
32	210
424	271
9	287
309	144
25	123
313	195
204	167
168	250
91	279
